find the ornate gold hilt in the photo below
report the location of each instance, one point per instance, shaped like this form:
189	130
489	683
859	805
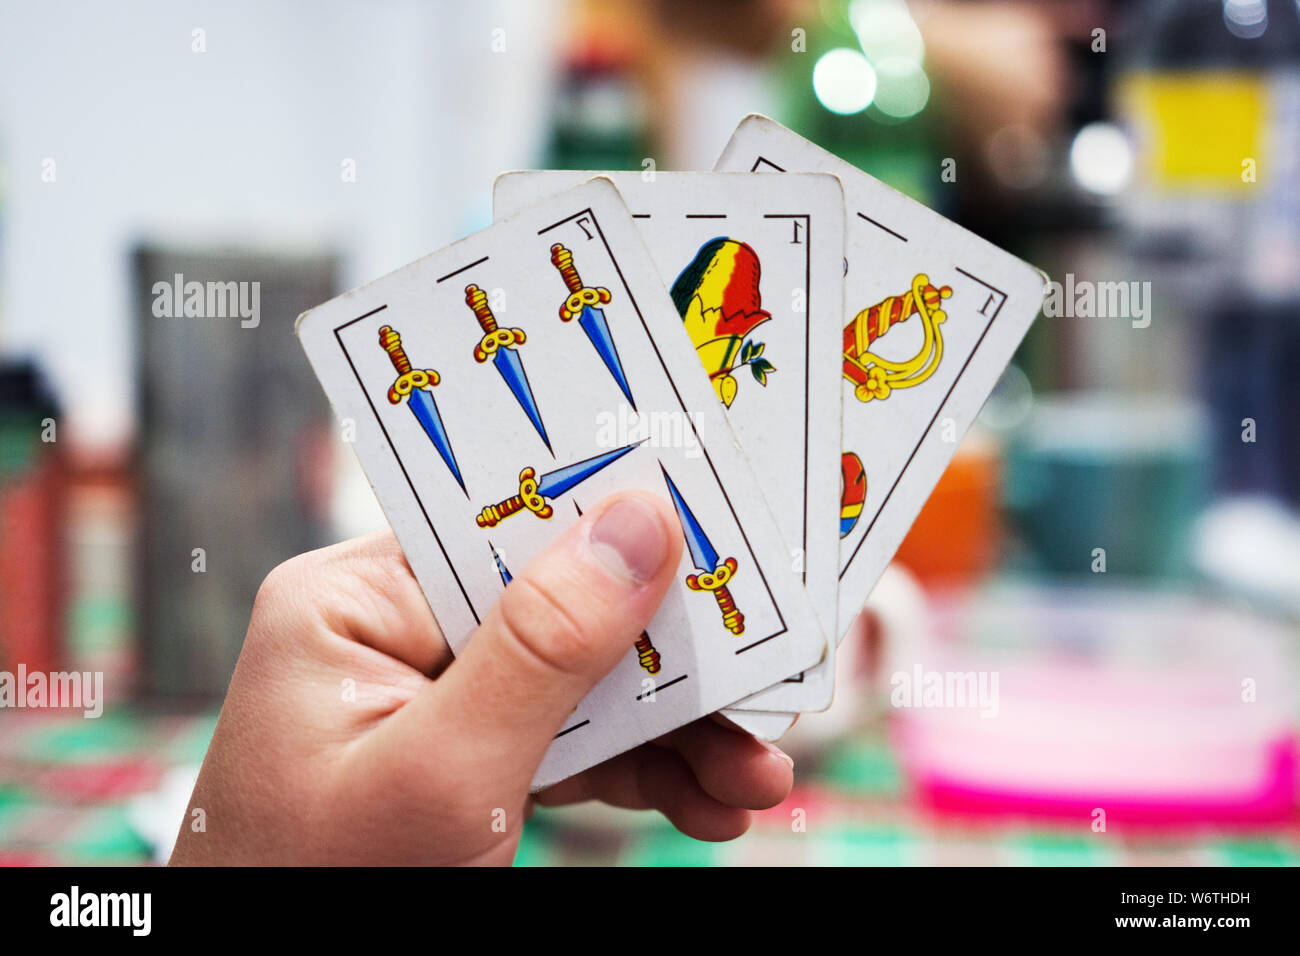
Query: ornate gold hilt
876	377
493	337
408	378
716	582
528	498
580	296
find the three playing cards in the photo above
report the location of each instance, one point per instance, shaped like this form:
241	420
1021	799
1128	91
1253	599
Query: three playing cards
785	350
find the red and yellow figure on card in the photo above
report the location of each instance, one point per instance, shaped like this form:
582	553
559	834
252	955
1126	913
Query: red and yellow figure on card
853	491
646	654
875	377
718	298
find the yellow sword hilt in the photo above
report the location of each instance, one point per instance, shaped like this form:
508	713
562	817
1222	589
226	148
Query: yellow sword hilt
580	296
716	583
493	337
408	378
527	499
646	654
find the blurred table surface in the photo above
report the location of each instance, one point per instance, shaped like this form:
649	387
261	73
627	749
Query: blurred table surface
66	785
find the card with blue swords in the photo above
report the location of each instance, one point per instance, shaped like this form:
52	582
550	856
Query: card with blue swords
714	574
534	491
500	345
416	386
584	302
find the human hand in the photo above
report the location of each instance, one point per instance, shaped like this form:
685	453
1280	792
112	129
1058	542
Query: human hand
429	760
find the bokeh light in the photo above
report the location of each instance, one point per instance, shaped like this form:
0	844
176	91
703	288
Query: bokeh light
1101	159
903	89
844	81
885	28
1245	18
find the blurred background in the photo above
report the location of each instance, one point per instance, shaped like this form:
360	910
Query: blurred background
1116	543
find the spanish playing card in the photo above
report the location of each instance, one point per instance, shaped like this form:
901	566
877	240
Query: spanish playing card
932	316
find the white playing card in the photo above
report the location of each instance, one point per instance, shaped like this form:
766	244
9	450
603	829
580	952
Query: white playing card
756	273
447	454
932	315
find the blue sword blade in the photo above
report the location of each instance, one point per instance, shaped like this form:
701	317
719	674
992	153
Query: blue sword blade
426	412
511	368
501	565
597	329
703	555
555	483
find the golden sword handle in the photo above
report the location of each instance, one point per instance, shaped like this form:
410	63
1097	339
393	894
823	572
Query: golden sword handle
493	337
527	499
408	378
646	654
580	296
716	583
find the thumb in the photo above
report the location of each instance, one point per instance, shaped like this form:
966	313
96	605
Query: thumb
559	627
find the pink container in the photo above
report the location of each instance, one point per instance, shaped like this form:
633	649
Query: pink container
1155	710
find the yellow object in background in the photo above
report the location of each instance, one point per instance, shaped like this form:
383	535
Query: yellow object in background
1195	130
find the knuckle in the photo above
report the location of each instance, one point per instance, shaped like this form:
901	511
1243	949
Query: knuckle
538	623
279	581
273	586
282	590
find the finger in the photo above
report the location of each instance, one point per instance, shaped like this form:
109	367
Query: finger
558	628
364	591
651	778
733	766
616	782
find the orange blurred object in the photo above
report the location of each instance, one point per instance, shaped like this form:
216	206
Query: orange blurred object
957	535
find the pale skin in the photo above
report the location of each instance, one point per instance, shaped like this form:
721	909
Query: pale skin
429	759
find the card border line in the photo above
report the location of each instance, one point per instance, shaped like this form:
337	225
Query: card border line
878	225
476	262
659	687
569	730
807	365
798	678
